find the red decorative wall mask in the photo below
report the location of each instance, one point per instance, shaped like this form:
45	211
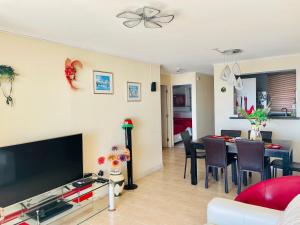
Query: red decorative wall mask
71	69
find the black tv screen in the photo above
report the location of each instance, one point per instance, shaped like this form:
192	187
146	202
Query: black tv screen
30	169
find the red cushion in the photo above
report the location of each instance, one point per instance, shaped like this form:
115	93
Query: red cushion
273	193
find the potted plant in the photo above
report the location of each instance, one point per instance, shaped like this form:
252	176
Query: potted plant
7	74
116	157
257	120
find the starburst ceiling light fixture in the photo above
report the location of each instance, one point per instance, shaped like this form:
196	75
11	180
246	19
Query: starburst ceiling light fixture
150	16
229	73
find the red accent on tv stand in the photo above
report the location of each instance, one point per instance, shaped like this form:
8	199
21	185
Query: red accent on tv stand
16	214
83	197
13	215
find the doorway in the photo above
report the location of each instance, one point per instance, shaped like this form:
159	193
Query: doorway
182	111
165	116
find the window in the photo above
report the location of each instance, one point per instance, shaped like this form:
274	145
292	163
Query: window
277	89
282	91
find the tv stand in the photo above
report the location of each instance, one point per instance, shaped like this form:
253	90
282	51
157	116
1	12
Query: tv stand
63	204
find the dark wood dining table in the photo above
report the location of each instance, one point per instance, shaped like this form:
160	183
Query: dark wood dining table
285	153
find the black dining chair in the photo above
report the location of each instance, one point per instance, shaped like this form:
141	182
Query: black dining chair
216	157
231	133
187	138
251	159
265	135
278	164
234	134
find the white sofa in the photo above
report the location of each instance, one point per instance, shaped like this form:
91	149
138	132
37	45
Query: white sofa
228	212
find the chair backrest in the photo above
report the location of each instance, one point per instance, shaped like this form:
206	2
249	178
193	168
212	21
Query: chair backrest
216	153
250	155
187	138
265	135
231	133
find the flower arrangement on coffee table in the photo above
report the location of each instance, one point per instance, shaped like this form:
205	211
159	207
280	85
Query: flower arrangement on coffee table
116	157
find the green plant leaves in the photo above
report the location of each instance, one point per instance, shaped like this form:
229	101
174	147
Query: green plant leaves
256	117
7	71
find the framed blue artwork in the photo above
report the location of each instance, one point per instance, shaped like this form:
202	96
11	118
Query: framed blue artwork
103	82
133	91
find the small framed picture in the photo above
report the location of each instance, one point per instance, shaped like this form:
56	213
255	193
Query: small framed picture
103	82
133	91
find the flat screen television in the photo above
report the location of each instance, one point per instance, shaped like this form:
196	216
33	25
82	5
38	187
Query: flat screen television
30	169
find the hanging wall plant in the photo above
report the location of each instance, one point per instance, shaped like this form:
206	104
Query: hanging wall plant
70	71
7	75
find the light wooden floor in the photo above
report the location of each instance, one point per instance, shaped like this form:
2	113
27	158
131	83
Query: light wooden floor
165	198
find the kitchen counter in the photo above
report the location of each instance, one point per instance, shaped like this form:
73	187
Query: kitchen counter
272	118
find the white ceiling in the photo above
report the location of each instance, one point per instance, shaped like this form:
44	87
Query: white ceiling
260	27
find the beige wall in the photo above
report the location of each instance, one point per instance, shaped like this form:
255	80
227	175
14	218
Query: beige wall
205	105
46	107
165	79
282	129
202	100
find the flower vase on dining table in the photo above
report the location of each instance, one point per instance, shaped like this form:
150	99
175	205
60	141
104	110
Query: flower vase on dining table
257	119
255	134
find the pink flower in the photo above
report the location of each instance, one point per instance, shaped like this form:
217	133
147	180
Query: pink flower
101	160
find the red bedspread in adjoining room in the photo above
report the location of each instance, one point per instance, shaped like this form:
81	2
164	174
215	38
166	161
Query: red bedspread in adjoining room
180	124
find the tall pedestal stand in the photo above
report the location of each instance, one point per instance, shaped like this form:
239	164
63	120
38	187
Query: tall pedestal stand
130	185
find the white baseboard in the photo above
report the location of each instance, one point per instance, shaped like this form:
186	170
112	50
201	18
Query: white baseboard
149	171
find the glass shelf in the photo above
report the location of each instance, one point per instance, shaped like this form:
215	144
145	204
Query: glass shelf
87	202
